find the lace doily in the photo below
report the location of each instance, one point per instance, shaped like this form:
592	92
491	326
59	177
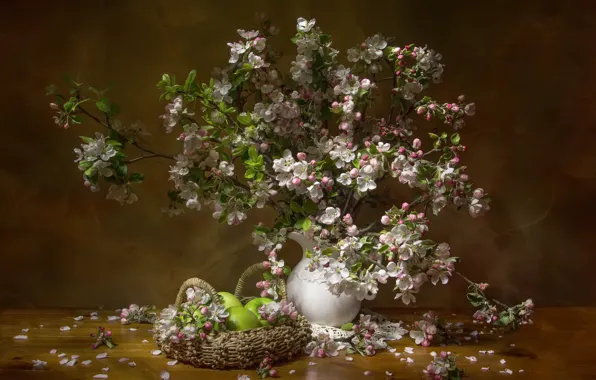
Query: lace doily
386	330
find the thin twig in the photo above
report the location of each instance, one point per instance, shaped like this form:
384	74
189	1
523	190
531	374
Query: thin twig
142	158
348	199
471	283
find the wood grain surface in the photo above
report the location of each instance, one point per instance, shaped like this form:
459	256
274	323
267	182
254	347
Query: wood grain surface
558	346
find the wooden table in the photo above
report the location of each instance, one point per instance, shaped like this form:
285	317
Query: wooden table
560	346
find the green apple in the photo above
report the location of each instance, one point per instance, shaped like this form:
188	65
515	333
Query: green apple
229	300
254	304
241	319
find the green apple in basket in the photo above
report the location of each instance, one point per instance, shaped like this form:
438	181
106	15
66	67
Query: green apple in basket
228	300
241	318
254	304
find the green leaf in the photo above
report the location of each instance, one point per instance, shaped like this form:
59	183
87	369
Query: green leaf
252	153
455	139
267	276
136	177
347	326
86	139
244	119
103	105
287	270
475	299
295	207
444	135
433	136
70	105
306	223
308	253
250	173
259	177
89	172
190	80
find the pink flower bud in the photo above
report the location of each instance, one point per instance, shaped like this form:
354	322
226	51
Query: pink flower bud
203	335
478	193
428	117
347	98
325	180
348	219
266	264
443	355
413	155
266	284
260	285
367	336
354	173
400	222
365	157
54	106
312	178
483	286
66	126
273	373
417	143
400	57
397	73
271	318
396	50
124	321
324	233
367	144
463	178
208	326
278	271
335	105
313	162
425	343
204	310
264	293
294	314
301	156
363	45
401	150
455	108
108	333
411	217
405	206
420	110
358	116
296	181
344	126
420	216
264	147
454	160
385	220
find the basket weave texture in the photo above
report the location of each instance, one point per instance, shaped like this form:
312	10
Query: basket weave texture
239	349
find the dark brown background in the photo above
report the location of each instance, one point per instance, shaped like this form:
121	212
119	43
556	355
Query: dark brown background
530	66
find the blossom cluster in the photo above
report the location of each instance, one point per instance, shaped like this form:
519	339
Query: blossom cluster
363	341
198	316
427	330
322	346
103	338
137	314
443	367
265	369
277	312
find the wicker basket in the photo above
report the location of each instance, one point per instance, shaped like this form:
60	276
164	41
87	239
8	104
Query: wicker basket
239	349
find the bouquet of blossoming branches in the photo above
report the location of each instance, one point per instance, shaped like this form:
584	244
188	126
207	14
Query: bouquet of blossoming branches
310	144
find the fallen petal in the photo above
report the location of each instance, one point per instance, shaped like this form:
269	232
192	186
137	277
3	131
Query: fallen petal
39	364
349	358
145	341
132	329
106	369
122	360
521	371
113	318
482	352
485	368
79	318
53	351
388	373
63	361
397	354
25	330
132	364
410	360
367	373
164	375
100	376
472	359
156	352
292	371
94	314
490	352
512	344
94	318
312	363
64	328
402	359
86	362
103	355
392	349
62	355
503	361
21	337
433	354
173	362
409	350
